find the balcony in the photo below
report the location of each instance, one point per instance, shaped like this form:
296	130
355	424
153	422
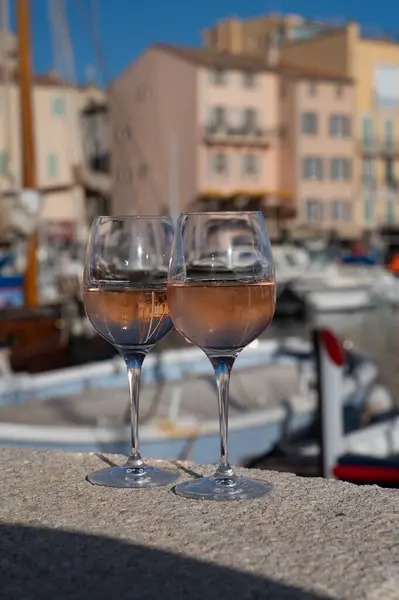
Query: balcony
379	147
383	188
248	135
389	147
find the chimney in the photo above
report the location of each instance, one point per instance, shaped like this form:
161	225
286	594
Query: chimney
52	73
273	51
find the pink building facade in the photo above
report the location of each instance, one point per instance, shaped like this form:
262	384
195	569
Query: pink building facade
202	130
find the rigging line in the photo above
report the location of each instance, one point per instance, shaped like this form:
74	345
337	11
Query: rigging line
55	38
92	25
59	56
72	110
6	91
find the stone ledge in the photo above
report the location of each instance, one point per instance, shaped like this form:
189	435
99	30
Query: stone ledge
311	539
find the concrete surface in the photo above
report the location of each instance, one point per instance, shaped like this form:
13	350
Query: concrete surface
62	538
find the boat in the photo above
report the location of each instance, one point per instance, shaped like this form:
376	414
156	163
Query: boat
326	286
357	443
339	297
368	470
82	408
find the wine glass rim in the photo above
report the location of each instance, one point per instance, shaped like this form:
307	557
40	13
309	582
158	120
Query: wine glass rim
224	212
122	217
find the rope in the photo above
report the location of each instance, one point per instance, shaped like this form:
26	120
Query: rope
92	25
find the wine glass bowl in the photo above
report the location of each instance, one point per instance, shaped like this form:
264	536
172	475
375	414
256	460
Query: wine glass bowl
125	298
221	296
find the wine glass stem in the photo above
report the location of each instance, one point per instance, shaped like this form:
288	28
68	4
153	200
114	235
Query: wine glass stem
134	365
222	366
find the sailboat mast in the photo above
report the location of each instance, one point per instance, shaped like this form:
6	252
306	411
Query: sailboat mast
27	141
28	169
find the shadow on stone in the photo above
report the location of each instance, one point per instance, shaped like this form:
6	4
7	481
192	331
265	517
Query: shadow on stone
186	469
43	564
105	459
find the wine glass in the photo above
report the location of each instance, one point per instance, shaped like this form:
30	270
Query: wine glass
125	297
221	295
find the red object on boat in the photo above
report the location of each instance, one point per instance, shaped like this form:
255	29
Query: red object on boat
368	470
358	249
356	473
333	347
393	265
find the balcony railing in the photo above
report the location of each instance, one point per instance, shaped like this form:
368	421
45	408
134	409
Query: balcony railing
390	147
378	146
249	135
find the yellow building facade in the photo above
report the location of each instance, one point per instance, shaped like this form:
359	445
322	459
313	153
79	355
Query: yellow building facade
374	66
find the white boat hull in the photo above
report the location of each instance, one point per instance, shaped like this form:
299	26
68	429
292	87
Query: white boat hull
331	300
173	433
248	435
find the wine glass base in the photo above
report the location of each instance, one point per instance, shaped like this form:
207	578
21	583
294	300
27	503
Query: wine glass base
133	477
225	489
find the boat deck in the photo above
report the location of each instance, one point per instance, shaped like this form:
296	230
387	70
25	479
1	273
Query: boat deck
194	399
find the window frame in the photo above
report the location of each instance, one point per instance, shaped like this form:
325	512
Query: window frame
52	165
218	76
318	174
254	170
249	80
309	117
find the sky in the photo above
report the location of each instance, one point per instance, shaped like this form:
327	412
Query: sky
127	27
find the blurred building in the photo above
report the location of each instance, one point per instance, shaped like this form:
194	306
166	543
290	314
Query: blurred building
68	177
200	129
256	35
318	149
371	59
373	63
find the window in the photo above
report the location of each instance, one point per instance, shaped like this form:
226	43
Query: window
3	162
389	133
217	117
218	77
339	91
368	172
250	164
122	133
341	211
57	107
124	175
309	123
312	167
390	211
249	79
386	86
368	207
312	88
314	211
250	118
219	164
340	126
390	181
52	166
367	130
335	210
341	169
